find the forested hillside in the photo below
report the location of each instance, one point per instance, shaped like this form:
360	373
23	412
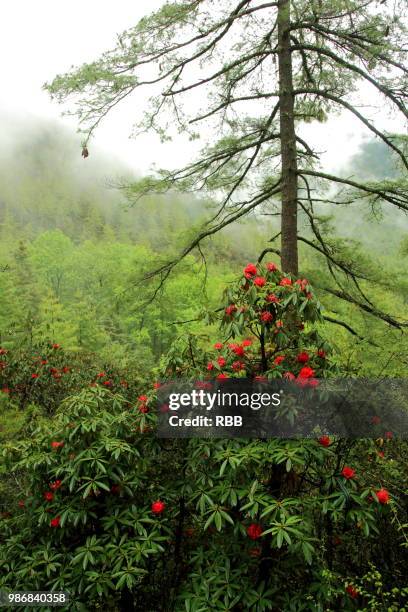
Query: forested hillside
75	248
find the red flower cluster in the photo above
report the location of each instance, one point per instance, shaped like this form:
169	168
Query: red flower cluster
55	444
237	349
348	472
352	591
324	441
254	531
55	485
230	310
306	372
158	507
303	283
260	281
266	316
55	522
303	357
250	270
383	496
278	360
48	496
238	365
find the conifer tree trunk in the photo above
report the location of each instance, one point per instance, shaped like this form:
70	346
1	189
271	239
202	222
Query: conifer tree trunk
289	250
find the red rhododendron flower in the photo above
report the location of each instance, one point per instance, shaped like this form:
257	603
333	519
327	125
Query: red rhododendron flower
321	353
238	365
302	282
289	376
278	360
250	270
222	376
254	531
383	496
348	472
56	346
381	454
44	362
101	374
306	372
260	281
158	507
55	485
57	444
271	267
230	309
324	441
312	382
279	323
156	385
303	357
266	316
107	383
246	342
34	375
352	591
218	346
65	369
48	496
221	362
55	521
285	282
143	409
388	435
272	299
210	366
238	350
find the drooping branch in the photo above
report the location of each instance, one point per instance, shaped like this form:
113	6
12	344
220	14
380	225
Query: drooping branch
366	308
337	100
324	51
393	195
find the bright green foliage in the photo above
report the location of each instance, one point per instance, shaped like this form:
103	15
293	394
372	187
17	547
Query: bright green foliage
148	524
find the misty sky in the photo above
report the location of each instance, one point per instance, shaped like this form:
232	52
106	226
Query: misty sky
40	39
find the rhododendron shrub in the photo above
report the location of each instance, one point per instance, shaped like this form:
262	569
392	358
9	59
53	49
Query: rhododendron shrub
45	374
121	518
